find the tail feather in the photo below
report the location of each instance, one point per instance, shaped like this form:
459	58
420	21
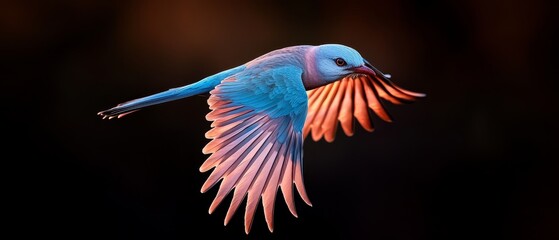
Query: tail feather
201	87
134	105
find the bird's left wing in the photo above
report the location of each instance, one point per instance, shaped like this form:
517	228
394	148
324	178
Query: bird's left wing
256	147
351	98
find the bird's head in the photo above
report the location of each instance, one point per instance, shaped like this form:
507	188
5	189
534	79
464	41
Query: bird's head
332	62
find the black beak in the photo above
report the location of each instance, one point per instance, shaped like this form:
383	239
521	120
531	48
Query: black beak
365	69
377	72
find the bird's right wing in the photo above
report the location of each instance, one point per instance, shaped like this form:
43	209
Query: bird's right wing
257	142
351	98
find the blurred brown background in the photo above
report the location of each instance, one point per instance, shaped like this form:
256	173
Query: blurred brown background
475	159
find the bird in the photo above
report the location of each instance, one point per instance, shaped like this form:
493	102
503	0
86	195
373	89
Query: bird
262	111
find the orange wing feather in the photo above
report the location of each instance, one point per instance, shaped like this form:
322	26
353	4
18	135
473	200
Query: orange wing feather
349	99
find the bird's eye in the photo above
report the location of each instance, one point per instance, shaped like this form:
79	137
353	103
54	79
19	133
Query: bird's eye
340	62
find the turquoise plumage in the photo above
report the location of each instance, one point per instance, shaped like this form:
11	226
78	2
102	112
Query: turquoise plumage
262	111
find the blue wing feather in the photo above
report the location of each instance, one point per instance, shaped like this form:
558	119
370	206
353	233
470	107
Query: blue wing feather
256	147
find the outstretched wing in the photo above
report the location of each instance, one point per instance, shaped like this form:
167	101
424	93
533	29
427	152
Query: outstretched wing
257	142
351	98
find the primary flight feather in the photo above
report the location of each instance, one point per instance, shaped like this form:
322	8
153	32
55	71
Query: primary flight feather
262	111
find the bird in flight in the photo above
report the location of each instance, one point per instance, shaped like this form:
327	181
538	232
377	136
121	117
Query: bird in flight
262	111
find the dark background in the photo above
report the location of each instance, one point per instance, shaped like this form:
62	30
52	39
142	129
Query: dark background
475	159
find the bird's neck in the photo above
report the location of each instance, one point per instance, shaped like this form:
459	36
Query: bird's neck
311	76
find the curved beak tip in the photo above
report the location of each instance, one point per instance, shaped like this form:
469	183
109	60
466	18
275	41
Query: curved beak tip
364	70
